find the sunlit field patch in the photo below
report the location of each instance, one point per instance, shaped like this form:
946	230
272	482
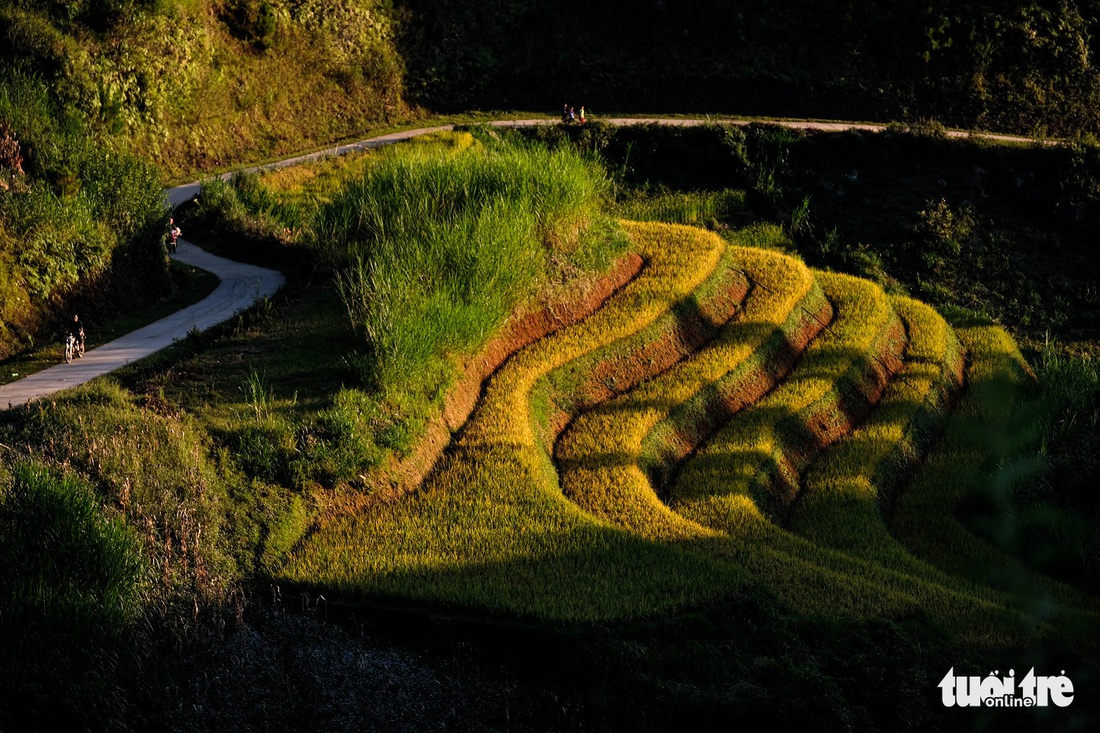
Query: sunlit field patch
491	526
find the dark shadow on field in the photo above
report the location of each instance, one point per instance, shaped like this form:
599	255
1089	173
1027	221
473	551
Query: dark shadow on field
735	650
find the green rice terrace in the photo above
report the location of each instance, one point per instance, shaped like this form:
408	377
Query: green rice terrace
611	450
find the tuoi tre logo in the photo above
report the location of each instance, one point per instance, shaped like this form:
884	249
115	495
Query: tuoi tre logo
994	691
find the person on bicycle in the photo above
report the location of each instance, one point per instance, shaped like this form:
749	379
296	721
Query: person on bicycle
76	329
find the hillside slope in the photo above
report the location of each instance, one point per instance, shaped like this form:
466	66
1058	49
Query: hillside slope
200	83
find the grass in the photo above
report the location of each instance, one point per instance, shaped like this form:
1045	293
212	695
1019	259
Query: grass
71	596
691	208
431	244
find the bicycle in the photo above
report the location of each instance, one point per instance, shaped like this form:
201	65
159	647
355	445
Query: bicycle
73	345
70	347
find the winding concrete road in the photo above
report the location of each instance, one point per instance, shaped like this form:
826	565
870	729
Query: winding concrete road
241	285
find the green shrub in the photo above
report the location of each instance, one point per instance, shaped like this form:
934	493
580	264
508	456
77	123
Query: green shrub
158	470
942	232
69	601
76	213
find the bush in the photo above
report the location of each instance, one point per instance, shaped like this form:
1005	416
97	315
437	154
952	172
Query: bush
72	212
942	232
68	604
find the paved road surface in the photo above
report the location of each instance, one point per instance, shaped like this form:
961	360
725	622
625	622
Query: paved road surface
182	193
243	284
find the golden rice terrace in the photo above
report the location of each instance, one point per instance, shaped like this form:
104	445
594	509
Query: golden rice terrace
722	416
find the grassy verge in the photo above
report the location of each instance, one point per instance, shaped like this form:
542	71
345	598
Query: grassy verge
432	254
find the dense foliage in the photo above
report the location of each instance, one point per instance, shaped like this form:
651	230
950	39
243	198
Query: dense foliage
99	100
69	599
188	82
1025	67
80	219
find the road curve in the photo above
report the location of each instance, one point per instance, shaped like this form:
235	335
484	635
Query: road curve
241	285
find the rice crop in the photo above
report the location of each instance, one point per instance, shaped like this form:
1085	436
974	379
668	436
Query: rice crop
491	527
549	502
601	454
846	493
772	440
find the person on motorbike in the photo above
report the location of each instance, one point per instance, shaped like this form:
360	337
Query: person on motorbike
76	329
173	234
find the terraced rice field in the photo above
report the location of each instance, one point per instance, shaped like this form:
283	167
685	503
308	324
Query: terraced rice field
726	417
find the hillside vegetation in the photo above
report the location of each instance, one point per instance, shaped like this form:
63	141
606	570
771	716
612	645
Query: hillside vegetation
197	85
188	83
1025	67
216	490
640	425
102	103
471	402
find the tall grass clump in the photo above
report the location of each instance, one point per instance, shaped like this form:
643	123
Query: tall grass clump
433	253
69	600
696	208
158	472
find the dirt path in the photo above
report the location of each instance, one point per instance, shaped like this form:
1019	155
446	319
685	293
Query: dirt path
179	194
